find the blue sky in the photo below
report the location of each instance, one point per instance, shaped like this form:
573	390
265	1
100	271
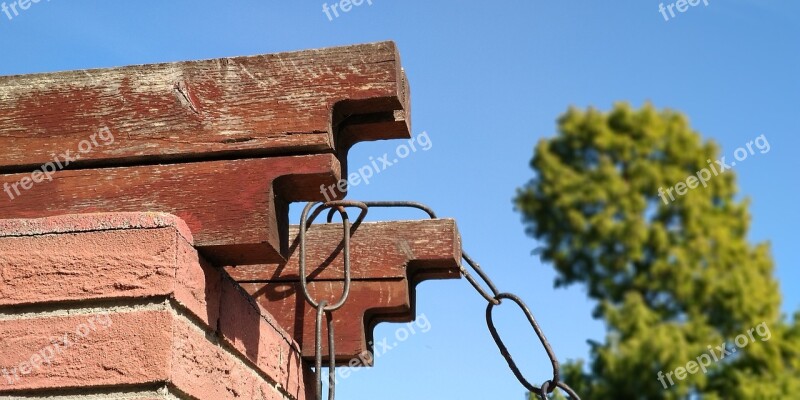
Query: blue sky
488	81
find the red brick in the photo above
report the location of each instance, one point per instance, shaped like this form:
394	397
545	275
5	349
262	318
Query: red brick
92	222
135	348
257	335
139	268
104	256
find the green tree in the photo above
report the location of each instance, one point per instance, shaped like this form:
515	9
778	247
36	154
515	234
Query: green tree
669	277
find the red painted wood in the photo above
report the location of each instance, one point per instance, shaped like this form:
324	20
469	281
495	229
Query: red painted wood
315	101
388	259
226	145
370	302
378	250
235	208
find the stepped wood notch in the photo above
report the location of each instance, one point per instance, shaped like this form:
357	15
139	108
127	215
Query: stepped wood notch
388	260
225	146
183	122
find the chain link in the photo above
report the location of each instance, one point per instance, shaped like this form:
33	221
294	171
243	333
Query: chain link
561	385
494	298
323	307
507	355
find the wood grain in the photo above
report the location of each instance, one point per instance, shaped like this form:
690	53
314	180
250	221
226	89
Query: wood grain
369	302
226	145
237	210
388	260
315	101
378	250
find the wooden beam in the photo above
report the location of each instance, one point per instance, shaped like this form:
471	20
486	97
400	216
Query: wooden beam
388	260
315	101
378	250
237	209
220	143
370	302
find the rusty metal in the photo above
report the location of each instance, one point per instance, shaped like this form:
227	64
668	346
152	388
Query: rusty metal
318	353
323	307
331	353
337	205
504	350
494	298
331	359
307	220
474	265
561	385
393	204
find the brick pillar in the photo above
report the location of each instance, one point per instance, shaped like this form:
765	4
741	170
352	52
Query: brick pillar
121	306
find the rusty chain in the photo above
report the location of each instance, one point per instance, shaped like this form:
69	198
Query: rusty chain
494	299
322	306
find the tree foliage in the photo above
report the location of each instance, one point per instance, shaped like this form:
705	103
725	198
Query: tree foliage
668	279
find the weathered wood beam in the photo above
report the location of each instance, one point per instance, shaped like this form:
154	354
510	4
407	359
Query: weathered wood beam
378	250
388	260
219	143
237	209
315	101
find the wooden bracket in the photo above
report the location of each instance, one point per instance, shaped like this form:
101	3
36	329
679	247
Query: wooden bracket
224	144
234	208
388	260
239	107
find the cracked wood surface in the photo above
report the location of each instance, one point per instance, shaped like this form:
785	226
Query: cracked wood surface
237	210
313	101
225	144
388	260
